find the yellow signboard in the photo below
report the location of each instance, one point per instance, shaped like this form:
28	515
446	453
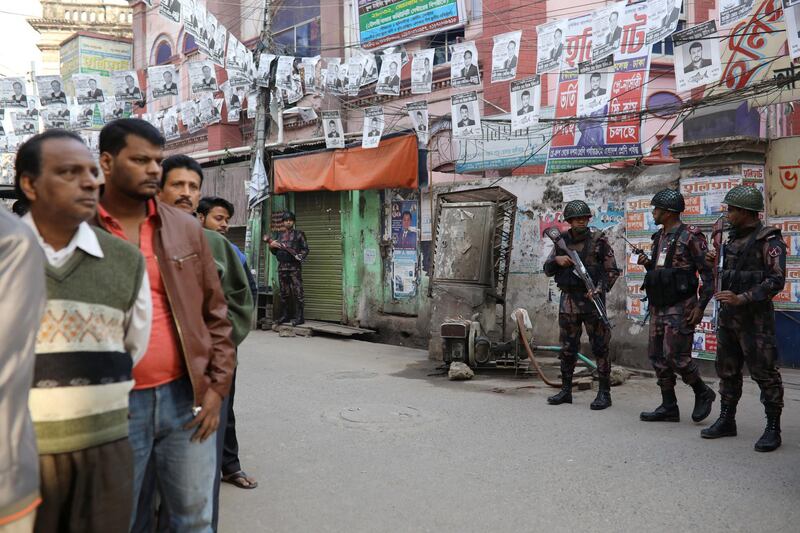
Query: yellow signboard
783	175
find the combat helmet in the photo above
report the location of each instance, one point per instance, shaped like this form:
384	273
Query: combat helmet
577	208
288	215
669	200
745	197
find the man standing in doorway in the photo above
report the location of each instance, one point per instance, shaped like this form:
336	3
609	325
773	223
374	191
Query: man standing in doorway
188	366
291	250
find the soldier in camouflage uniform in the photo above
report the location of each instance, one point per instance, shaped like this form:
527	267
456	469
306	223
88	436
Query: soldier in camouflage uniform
576	307
753	272
679	257
290	249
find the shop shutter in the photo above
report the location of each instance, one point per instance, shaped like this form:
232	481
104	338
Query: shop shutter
318	215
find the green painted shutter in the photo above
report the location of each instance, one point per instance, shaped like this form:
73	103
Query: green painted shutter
318	215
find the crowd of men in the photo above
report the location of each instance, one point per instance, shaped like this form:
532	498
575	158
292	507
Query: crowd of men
128	306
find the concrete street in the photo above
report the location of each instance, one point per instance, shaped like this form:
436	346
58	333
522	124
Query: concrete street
349	436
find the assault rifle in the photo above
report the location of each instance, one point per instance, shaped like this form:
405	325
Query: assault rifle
716	240
580	270
286	249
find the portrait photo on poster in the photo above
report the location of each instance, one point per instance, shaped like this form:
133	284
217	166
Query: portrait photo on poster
332	82
594	85
126	86
169	123
87	88
422	71
607	30
311	79
51	90
792	17
264	65
190	112
354	70
505	56
464	65
525	102
550	46
170	9
234	60
369	69
113	109
418	113
210	110
332	128
163	81
373	127
189	16
662	19
208	35
465	114
389	78
13	93
732	11
200	16
697	57
405	224
202	77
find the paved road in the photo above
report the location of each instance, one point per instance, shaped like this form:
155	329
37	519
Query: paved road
348	436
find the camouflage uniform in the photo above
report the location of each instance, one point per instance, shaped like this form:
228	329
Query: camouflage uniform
670	347
575	309
747	332
290	275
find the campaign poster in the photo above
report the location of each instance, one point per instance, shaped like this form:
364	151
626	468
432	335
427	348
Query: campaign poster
354	70
113	109
332	128
465	113
550	45
208	34
234	59
373	127
697	58
210	110
311	79
662	19
607	30
404	274
704	196
51	90
505	55
189	15
526	96
639	227
170	9
369	69
170	123
464	65
162	80
126	86
594	85
190	113
57	116
87	88
332	82
731	11
418	113
252	104
199	25
405	221
792	17
13	93
216	45
81	116
283	73
422	71
789	298
202	78
264	65
389	78
25	124
611	132
233	101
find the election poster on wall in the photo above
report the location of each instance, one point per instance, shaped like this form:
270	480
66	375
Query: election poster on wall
639	227
731	11
607	30
373	127
422	71
465	114
550	45
662	19
382	23
697	59
613	131
464	65
332	127
789	298
526	96
505	56
418	113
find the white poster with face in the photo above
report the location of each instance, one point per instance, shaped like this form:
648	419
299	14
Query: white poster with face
697	59
190	112
332	82
284	71
216	45
264	65
169	123
389	80
88	88
607	30
332	127
354	69
311	78
505	56
126	86
422	71
56	116
51	90
201	33
234	60
295	91
792	17
464	65
233	100
731	11
418	113
81	116
13	93
208	35
526	98
369	69
341	83
662	19
466	119
210	110
550	45
202	78
252	104
373	127
594	85
25	123
189	16
163	81
113	109
398	50
170	9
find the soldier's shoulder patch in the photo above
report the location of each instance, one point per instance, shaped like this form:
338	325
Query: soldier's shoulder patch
774	251
610	252
694	229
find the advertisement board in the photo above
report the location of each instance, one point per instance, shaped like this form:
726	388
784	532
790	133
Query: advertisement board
383	23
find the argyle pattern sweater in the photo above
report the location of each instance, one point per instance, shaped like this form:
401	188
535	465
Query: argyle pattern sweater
82	374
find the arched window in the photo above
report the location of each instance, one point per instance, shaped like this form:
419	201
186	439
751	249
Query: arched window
189	45
163	53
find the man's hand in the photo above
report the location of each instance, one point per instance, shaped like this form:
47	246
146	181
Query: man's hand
642	260
711	256
592	294
274	244
563	261
693	317
730	298
207	420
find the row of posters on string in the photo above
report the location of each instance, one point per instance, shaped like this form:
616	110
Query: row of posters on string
704	196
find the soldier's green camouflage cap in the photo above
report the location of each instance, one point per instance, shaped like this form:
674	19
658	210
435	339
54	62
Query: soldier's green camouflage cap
670	200
577	208
745	197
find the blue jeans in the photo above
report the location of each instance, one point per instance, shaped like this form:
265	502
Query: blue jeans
184	469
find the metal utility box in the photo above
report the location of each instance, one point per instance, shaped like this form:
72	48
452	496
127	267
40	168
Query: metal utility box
464	243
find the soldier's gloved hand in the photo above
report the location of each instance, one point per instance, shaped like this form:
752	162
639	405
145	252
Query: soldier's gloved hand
730	298
693	317
563	261
711	256
643	260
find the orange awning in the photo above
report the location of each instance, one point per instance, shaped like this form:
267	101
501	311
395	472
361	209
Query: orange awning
394	164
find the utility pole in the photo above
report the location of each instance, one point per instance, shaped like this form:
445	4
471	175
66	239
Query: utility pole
253	246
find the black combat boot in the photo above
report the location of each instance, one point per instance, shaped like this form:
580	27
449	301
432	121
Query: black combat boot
703	400
603	399
298	319
565	396
725	426
771	439
284	318
666	412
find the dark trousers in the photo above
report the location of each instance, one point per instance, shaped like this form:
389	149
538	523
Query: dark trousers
571	327
756	347
670	351
291	287
227	447
87	491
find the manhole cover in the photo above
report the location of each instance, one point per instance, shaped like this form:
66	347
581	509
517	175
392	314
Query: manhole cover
380	414
352	374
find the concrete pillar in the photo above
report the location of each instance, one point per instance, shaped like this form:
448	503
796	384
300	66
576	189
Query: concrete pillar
720	156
